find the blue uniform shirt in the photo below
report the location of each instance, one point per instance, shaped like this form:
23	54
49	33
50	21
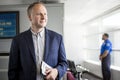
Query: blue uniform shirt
107	45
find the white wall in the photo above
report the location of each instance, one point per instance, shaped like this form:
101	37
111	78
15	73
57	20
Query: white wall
73	32
74	43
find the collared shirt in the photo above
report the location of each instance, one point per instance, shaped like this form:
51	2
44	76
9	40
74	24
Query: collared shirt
39	42
107	45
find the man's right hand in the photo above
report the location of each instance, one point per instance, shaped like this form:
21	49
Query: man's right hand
51	74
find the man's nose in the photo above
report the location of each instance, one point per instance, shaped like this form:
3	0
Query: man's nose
42	17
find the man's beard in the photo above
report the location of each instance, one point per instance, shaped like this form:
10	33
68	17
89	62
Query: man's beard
102	38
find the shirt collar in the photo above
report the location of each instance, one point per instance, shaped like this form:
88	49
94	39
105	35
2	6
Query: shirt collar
39	33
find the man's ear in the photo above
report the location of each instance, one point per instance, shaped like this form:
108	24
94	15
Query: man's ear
29	16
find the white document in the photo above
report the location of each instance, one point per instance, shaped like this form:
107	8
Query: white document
44	66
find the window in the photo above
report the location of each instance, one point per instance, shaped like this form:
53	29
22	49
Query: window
109	23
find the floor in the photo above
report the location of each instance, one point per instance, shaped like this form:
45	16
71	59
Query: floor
87	76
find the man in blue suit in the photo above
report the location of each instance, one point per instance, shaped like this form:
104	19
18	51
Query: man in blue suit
35	45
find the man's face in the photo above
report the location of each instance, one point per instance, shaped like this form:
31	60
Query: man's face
103	37
38	16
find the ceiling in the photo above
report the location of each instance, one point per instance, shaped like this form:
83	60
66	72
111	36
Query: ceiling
84	10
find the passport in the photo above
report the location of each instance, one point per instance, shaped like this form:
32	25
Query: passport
44	66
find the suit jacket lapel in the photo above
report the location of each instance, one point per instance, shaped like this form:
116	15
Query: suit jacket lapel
46	49
29	42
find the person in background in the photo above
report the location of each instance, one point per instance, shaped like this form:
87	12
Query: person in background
35	45
106	50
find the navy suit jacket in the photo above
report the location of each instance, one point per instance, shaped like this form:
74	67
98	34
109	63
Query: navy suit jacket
22	62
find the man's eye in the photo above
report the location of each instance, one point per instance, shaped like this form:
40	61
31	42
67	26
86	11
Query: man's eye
38	14
45	13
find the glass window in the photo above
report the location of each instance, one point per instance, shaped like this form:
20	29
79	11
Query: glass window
107	24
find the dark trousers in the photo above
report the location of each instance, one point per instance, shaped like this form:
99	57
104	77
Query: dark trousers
106	72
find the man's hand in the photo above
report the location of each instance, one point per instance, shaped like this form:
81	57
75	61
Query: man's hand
51	74
103	55
100	57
